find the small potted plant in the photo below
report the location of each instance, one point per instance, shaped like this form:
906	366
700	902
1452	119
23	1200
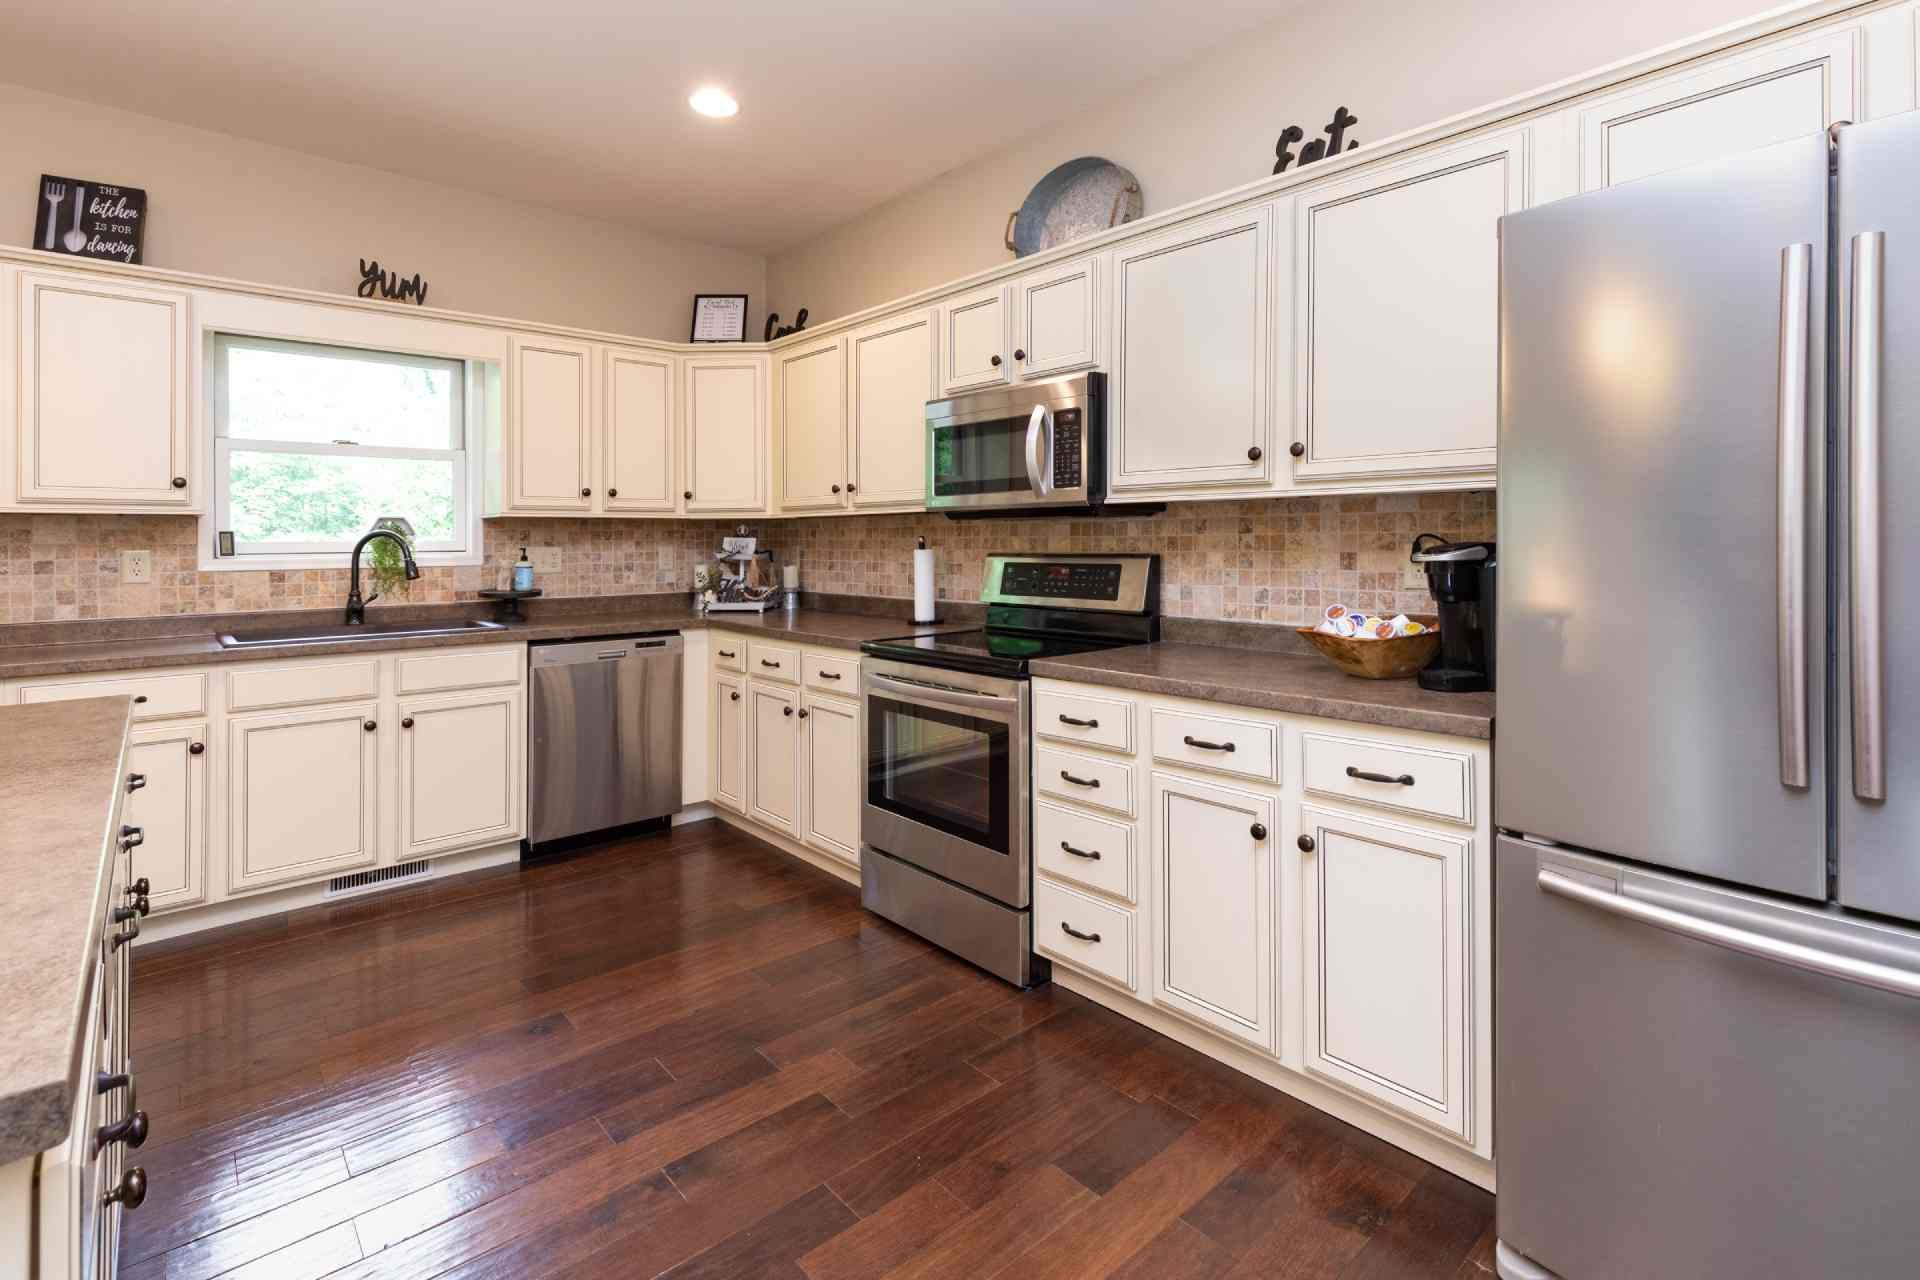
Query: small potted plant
385	567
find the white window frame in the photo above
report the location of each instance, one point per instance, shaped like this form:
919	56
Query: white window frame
468	409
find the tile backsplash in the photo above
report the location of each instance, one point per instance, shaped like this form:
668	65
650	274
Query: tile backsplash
1269	560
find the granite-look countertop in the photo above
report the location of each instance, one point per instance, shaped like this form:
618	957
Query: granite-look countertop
1304	684
61	764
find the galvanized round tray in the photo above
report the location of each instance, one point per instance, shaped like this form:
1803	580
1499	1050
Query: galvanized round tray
1076	199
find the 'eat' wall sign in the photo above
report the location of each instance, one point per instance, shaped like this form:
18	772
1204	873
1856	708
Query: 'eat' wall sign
1332	145
89	219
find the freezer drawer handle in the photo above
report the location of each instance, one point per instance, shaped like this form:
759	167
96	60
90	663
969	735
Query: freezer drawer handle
1863	541
1846	968
1790	507
1404	780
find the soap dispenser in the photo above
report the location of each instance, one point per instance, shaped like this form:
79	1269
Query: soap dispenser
523	573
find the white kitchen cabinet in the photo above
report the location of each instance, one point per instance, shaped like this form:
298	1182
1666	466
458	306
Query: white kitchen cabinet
170	808
1388	939
1397	314
550	424
1189	402
773	765
890	374
810	414
303	794
639	431
1213	902
973	341
105	395
1788	89
462	770
730	748
831	772
725	419
1056	325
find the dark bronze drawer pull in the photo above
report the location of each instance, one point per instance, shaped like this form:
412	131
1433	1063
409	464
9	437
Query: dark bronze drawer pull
1201	744
765	663
1404	780
125	936
828	675
132	1131
1080	782
135	781
140	888
132	837
105	1083
728	653
1080	724
132	1191
1072	932
1091	855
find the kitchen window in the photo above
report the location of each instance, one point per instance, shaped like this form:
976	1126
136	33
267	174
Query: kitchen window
314	443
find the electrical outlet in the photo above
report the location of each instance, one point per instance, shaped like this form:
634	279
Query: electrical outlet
545	559
1413	576
136	567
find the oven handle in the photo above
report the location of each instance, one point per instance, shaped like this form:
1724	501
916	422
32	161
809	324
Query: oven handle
950	697
1040	450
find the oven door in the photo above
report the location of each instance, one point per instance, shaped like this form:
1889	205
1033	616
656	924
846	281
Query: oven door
1021	446
947	775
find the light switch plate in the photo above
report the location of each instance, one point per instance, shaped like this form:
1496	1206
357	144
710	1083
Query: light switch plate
545	559
136	567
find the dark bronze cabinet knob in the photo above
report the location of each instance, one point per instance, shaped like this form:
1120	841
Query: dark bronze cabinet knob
586	493
1255	454
132	837
135	781
1305	843
786	711
733	694
140	888
1258	831
688	495
105	1083
179	482
139	698
132	911
370	725
803	713
196	748
1297	449
613	493
142	905
132	1131
406	722
836	488
849	486
132	1191
1018	354
995	362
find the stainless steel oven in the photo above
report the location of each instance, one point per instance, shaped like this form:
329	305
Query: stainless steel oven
1039	444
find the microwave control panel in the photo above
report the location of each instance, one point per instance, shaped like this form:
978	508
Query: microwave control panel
1067	450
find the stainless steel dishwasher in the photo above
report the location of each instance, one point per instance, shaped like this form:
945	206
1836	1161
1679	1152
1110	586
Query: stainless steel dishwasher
603	734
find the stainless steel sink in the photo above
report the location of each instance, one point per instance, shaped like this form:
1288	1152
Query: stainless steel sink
337	633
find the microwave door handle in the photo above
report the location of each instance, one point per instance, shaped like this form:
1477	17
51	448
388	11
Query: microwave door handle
1040	450
947	697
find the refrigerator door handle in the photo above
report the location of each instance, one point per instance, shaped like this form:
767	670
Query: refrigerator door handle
1869	726
1796	274
1866	973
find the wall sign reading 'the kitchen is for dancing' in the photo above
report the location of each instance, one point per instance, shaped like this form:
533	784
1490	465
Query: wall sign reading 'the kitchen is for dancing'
90	219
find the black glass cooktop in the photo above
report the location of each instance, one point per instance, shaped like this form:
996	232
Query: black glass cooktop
998	652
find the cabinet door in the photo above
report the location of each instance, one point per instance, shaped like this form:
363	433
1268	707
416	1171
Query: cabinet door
810	406
550	418
730	742
1189	402
891	372
725	420
832	782
106	385
1732	105
1387	932
1213	956
973	341
1055	320
171	811
639	436
1397	314
462	771
303	794
774	765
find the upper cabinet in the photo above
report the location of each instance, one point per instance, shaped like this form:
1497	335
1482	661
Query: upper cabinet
105	408
550	425
810	412
725	413
973	341
1056	326
639	432
1189	401
1397	310
890	369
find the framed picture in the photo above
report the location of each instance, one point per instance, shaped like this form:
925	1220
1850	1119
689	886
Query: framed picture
719	317
89	219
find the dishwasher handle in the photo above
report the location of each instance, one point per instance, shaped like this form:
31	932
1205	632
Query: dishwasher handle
566	653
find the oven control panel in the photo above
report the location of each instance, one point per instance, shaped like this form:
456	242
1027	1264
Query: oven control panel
1062	580
1119	584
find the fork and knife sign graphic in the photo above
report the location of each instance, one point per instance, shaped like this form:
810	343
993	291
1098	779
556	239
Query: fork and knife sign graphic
76	239
93	219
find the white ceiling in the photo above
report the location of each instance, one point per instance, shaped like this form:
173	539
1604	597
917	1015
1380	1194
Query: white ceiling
581	104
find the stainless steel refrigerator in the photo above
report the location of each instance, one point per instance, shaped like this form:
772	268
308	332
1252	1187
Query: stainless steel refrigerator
1707	766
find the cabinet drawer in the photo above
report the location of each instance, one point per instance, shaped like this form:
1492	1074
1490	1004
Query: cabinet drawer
729	651
154	696
1088	780
1243	748
1075	717
1090	851
473	669
1411	779
1101	937
773	662
831	675
277	686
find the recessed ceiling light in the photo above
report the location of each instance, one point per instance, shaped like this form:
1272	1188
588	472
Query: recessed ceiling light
712	100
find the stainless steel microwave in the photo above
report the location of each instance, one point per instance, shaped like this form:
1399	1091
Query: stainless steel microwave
1039	444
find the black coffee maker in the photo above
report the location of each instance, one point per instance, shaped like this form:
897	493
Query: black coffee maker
1462	577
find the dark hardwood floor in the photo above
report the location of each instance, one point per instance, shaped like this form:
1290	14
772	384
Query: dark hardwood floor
692	1056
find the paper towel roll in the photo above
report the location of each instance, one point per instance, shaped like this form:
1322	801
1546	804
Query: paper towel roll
923	584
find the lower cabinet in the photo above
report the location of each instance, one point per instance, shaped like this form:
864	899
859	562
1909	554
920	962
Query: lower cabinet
730	742
1213	944
1388	942
460	775
303	794
773	767
830	767
170	808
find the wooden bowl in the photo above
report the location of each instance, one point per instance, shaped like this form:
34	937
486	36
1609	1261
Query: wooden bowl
1394	659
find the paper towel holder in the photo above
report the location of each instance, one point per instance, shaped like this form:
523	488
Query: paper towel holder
933	608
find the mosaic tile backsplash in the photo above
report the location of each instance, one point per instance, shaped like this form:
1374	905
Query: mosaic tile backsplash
1278	560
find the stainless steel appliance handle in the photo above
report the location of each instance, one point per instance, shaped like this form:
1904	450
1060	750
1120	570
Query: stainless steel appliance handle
1039	433
1790	506
950	697
1869	728
1865	973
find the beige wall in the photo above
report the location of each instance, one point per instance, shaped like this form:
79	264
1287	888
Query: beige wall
1211	124
230	207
